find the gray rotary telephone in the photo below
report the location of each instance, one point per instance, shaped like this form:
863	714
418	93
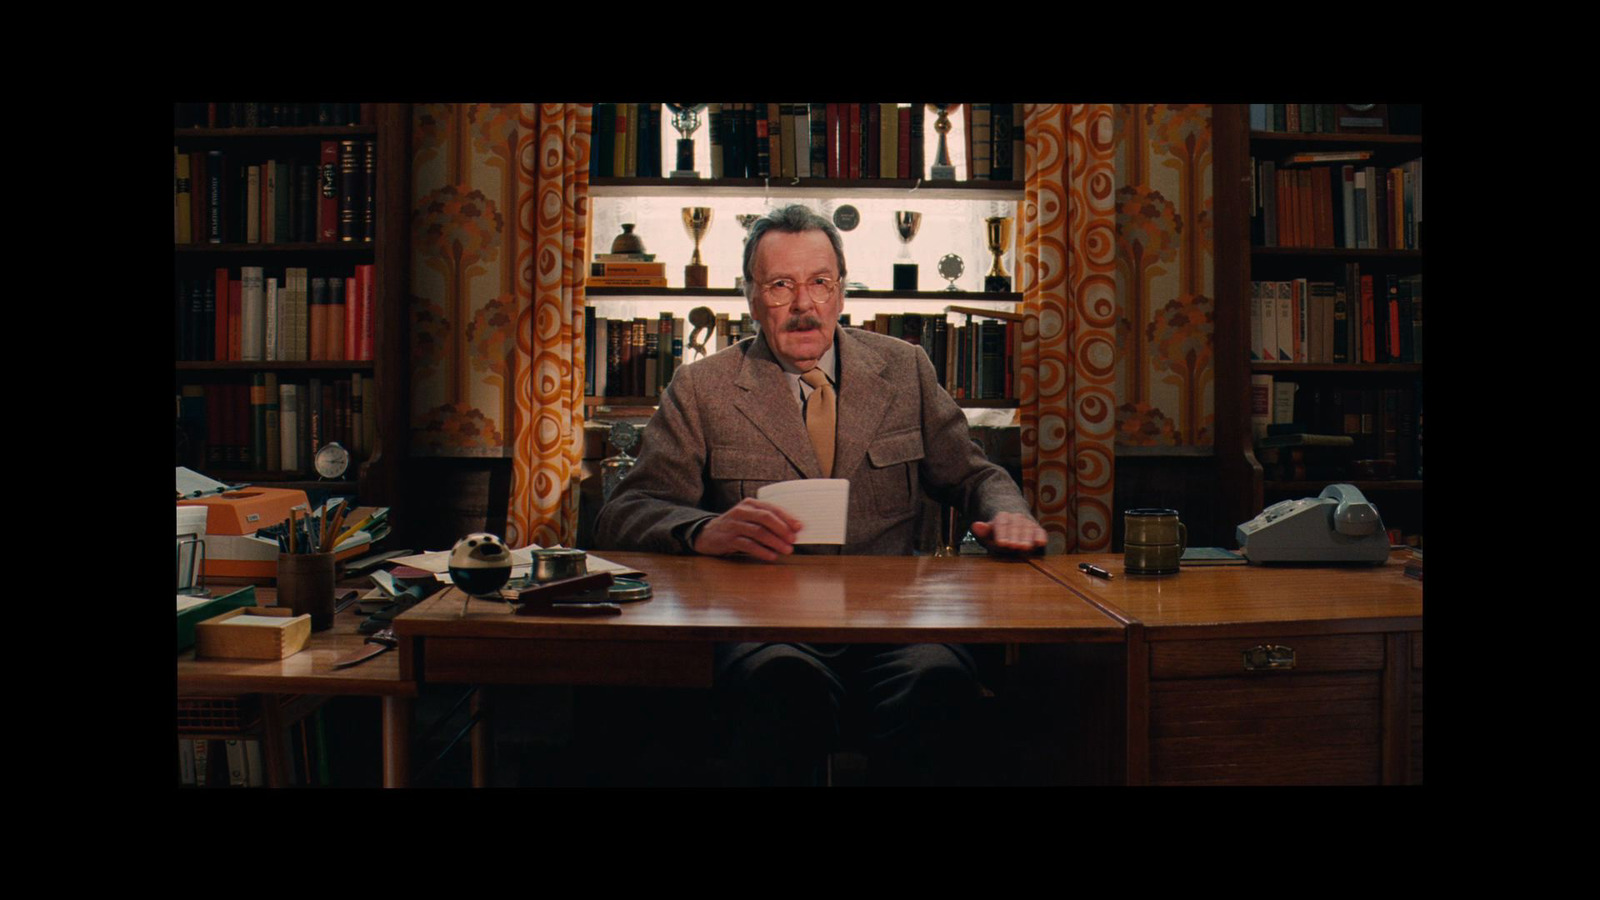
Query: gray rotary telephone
1338	525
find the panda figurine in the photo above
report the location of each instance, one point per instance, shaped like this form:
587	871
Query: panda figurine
480	564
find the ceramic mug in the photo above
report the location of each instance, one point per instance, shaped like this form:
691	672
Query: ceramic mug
1153	541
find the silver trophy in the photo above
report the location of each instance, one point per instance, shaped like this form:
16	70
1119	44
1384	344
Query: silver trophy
906	224
685	118
613	469
950	268
942	169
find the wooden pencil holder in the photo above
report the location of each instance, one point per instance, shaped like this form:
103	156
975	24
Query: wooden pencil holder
305	585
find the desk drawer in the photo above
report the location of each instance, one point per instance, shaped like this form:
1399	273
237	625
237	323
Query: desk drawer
1266	656
514	661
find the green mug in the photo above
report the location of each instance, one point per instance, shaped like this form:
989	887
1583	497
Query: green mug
1153	541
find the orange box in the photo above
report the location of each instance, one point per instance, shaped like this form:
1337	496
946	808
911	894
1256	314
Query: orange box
245	510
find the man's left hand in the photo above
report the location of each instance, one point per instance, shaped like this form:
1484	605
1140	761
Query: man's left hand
1010	531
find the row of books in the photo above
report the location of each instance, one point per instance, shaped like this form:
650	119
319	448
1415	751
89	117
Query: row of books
228	198
974	359
1336	118
1299	203
265	425
243	314
1363	319
1311	431
264	115
238	762
220	763
805	140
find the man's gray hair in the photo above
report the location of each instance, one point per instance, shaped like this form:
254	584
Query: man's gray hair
793	219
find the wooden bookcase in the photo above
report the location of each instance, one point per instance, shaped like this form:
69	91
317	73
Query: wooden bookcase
373	475
1247	485
732	301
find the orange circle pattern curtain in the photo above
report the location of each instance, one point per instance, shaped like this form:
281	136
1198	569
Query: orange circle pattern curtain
1067	276
548	390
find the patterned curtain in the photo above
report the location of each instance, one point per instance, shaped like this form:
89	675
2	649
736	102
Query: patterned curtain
1067	275
548	390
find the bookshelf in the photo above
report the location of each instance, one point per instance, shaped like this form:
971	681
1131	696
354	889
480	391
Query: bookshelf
1256	248
218	431
761	156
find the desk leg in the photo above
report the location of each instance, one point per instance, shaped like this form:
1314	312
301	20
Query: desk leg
275	741
482	737
396	741
1136	759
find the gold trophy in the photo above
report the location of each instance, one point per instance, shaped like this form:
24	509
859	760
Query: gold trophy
906	224
942	169
999	233
696	221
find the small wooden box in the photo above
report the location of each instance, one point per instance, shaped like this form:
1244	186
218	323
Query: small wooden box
215	638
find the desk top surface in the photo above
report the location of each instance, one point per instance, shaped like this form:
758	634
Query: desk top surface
1359	598
861	599
308	672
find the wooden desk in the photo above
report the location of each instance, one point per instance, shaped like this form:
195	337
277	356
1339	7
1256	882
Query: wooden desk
700	601
310	672
1341	705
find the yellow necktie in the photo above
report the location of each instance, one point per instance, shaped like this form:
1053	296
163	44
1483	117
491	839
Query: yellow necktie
820	415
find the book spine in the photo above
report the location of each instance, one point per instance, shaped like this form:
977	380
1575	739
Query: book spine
333	334
253	309
366	320
349	191
270	304
369	191
318	325
817	122
273	454
1001	167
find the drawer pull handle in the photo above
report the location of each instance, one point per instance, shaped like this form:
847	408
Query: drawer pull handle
1268	656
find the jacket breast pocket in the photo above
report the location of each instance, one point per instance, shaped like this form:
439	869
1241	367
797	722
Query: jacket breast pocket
738	472
892	463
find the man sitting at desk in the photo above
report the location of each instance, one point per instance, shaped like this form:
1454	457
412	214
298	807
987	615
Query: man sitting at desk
805	399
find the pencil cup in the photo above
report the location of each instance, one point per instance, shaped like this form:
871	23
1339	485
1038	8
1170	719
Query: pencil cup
1153	541
305	585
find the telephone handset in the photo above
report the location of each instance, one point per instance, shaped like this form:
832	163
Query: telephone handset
1338	525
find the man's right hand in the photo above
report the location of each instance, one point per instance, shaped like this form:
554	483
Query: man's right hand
759	529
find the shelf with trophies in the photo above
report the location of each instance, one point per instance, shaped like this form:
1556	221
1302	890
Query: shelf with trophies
929	259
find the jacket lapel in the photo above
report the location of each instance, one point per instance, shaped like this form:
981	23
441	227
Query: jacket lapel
864	396
765	401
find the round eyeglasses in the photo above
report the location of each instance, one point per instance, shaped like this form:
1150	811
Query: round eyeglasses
782	291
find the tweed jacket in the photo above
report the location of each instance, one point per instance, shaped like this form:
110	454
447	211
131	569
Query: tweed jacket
728	425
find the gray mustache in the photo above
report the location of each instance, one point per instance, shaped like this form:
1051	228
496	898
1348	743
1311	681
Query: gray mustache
806	321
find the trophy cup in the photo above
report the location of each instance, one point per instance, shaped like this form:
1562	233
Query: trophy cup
685	118
696	221
942	169
999	233
613	469
906	224
950	268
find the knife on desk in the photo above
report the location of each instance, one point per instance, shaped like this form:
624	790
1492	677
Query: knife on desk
380	643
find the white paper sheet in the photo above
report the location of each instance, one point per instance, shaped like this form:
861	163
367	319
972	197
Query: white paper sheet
821	505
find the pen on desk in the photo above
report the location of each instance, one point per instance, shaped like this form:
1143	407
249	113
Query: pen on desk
1096	571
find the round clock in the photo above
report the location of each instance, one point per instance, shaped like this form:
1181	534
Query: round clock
332	461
